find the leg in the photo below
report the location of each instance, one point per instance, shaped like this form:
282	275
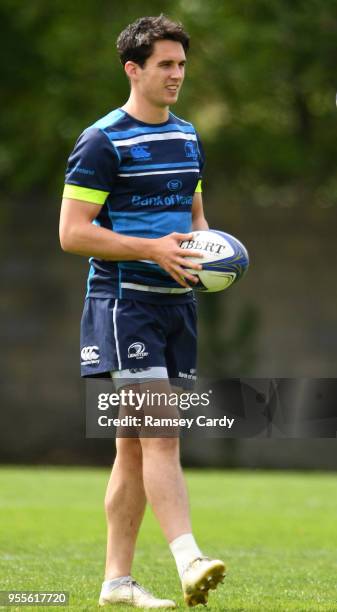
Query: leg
124	505
165	487
166	492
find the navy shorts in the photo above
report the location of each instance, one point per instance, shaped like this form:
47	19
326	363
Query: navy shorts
127	337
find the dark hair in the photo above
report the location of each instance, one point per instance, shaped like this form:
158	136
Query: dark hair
136	42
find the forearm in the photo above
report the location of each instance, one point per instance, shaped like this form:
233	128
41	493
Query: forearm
92	241
199	223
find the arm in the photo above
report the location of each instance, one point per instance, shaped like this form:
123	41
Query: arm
198	218
80	236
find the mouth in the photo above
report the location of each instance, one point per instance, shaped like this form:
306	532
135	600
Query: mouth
172	88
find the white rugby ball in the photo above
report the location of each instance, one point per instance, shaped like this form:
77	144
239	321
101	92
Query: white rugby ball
223	257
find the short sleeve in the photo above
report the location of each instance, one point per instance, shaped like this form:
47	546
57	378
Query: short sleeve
92	168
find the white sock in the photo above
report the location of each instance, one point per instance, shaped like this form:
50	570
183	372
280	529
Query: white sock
184	549
107	585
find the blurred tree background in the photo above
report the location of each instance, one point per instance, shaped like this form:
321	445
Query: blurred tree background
260	88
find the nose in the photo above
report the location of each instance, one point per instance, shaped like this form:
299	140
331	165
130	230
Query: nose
177	72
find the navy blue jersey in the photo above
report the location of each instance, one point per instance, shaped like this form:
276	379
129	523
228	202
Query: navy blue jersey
143	177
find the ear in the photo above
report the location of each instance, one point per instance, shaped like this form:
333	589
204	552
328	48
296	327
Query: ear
131	69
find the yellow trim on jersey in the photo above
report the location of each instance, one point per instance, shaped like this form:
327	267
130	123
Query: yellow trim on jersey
95	196
198	188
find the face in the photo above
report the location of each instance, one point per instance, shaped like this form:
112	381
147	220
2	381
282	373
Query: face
162	75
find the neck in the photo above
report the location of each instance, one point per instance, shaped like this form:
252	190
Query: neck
145	111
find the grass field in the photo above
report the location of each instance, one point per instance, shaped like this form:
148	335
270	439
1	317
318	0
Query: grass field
276	531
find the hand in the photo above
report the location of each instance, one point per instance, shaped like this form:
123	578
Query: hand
168	254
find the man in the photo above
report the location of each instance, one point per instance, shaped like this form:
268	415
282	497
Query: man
132	194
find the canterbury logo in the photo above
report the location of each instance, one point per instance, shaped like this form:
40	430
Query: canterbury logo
89	354
137	350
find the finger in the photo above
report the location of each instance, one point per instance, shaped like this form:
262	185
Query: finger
192	278
182	262
182	272
179	279
180	237
188	253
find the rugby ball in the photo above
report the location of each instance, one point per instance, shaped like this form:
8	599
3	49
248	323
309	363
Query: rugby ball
224	259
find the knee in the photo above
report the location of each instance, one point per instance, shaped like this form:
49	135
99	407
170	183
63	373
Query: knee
129	453
160	446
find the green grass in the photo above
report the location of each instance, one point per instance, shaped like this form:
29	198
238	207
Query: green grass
276	531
